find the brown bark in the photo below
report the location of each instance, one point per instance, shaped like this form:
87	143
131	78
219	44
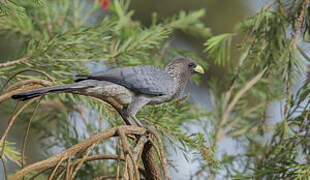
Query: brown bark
52	161
152	171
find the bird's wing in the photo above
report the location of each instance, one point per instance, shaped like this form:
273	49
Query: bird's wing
141	79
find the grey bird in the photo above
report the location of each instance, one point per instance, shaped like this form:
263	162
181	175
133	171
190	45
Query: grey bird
132	87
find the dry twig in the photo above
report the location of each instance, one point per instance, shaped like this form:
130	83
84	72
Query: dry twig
10	63
128	151
11	122
55	169
234	101
27	132
52	161
26	70
30	81
82	160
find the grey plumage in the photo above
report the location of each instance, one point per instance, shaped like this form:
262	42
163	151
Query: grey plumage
132	87
141	79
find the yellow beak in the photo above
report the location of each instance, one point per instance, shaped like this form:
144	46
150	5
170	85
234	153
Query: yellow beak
199	69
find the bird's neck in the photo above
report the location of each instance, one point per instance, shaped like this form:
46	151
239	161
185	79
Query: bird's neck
180	78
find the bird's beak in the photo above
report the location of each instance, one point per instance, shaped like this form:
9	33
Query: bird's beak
199	69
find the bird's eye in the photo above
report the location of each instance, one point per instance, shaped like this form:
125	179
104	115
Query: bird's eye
191	65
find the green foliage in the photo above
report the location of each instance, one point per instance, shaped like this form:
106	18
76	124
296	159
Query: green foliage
218	47
275	52
59	40
285	157
270	150
190	23
10	152
10	6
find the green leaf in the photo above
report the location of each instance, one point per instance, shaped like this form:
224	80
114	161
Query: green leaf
219	48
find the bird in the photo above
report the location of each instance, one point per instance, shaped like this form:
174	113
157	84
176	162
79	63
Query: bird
132	87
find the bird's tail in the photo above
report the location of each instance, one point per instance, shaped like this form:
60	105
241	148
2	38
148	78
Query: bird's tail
81	77
42	91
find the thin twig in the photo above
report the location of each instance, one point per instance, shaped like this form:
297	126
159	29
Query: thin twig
248	112
4	141
130	170
105	177
29	81
292	48
89	158
228	95
125	170
269	4
118	152
127	150
299	23
52	161
5	134
25	70
68	168
10	63
55	169
59	175
241	131
83	160
99	157
139	147
303	53
27	132
38	173
230	107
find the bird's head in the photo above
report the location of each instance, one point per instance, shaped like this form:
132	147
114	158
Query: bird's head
184	66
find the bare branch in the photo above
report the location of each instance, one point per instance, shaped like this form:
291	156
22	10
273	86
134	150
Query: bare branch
230	107
83	160
55	169
12	120
128	151
68	168
10	63
30	81
105	177
27	132
125	170
253	129
118	152
25	70
52	161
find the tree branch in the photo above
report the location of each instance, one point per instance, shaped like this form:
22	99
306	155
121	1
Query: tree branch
52	161
236	98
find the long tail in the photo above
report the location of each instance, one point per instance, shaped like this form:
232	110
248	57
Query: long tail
42	91
81	77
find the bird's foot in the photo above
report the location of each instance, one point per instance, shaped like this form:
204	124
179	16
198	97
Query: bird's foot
137	121
131	119
140	124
